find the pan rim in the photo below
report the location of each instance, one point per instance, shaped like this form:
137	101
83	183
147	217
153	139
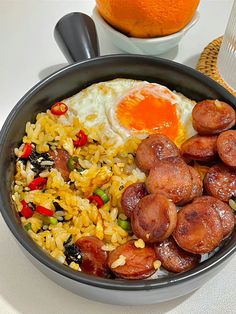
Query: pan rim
125	285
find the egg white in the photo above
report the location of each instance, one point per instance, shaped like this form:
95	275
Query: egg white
96	105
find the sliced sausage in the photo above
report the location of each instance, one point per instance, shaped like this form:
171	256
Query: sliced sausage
135	263
199	229
94	259
226	146
60	158
220	182
197	183
154	218
173	258
131	196
153	148
212	117
224	210
197	186
172	177
201	148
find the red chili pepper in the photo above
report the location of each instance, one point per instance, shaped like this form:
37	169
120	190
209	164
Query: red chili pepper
26	211
59	108
26	150
95	199
44	211
82	139
38	184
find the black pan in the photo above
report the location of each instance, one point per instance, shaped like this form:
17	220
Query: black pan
76	35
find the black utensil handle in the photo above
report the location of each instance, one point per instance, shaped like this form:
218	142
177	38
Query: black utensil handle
76	35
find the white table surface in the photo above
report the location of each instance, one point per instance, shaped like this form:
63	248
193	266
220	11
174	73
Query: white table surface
28	53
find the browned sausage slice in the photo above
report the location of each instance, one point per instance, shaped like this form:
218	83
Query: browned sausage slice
154	218
197	183
212	117
135	263
153	148
61	157
173	258
220	182
201	148
224	210
131	196
199	229
226	146
197	186
172	177
94	259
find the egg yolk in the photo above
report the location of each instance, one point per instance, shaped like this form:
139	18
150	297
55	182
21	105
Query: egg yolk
146	111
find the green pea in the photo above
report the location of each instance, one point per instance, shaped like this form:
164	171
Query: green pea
53	220
124	224
28	226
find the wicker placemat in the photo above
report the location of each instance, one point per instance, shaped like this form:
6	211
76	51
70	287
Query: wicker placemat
207	63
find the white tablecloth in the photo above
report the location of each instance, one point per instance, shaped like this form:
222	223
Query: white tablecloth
28	53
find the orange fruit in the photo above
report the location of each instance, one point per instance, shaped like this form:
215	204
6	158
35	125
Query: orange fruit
147	18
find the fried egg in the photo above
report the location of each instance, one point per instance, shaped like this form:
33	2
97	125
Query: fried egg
127	107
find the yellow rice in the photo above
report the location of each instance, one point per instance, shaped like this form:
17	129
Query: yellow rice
107	166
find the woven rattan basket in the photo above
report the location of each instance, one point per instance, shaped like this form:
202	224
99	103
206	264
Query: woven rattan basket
207	63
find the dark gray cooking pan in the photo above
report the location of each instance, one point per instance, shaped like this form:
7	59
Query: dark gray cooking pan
76	35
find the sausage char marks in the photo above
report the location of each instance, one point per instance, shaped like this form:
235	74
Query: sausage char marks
155	147
154	218
136	263
220	182
212	117
171	176
224	210
199	228
226	146
131	196
94	258
202	148
173	258
197	184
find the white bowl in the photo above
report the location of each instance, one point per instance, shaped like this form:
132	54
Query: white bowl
145	46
